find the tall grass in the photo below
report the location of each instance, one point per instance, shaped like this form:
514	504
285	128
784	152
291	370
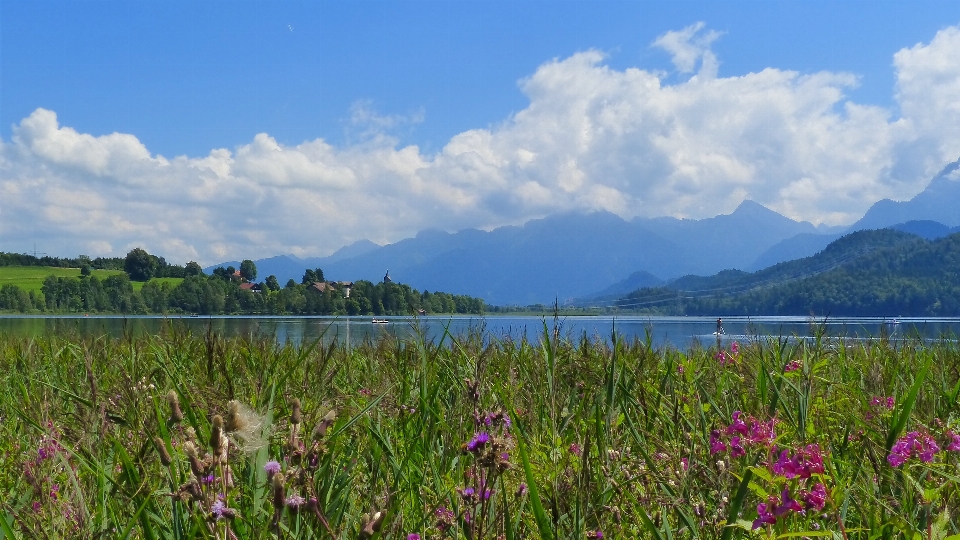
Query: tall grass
197	436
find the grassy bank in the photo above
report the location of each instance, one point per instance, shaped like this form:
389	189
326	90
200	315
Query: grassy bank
193	436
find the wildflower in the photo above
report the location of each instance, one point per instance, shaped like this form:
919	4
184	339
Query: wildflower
478	442
815	498
217	509
521	490
444	517
735	348
804	463
793	365
716	445
294	502
738	425
467	493
575	449
954	445
595	534
271	468
736	448
913	444
774	508
684	464
880	401
413	536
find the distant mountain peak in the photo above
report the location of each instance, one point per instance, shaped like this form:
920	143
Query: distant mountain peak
937	202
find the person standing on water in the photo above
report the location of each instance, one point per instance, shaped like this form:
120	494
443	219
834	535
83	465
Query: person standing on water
719	326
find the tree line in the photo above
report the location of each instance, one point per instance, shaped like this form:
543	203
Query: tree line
226	291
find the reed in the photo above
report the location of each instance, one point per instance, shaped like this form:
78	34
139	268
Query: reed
179	436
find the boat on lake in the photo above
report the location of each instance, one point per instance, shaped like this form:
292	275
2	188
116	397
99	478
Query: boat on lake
380	321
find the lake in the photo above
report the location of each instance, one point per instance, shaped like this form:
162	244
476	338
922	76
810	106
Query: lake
680	332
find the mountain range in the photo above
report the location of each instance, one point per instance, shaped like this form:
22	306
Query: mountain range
600	255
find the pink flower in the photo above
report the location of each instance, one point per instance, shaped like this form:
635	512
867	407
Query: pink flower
913	444
954	445
738	425
815	498
716	445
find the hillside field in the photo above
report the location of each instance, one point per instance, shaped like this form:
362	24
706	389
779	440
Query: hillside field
30	278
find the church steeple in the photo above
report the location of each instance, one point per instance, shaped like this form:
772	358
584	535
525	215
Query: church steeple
386	278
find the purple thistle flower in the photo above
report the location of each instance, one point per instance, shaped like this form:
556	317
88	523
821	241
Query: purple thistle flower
295	501
218	508
413	536
478	442
271	467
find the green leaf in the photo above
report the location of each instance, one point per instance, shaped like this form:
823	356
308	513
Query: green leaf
543	522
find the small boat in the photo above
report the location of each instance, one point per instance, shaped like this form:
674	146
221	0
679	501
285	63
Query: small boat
380	321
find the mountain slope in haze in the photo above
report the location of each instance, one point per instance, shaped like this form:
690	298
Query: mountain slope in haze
570	255
938	202
558	257
868	273
796	247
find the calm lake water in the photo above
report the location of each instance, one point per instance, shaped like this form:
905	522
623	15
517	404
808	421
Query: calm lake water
680	332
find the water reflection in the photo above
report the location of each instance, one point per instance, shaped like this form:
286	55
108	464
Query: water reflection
680	332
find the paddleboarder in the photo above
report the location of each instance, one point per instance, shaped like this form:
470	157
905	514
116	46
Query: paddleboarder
719	326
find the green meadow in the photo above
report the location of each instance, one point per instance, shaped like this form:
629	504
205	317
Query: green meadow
195	436
30	278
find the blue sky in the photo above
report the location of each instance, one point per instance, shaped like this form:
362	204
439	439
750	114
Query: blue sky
417	105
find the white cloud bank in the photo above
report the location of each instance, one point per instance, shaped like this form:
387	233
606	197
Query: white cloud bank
591	138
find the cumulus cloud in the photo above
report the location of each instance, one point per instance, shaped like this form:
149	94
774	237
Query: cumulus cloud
591	138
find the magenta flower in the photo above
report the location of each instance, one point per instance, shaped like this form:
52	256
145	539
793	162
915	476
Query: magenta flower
738	425
413	536
716	445
913	444
954	445
815	498
736	448
735	348
575	449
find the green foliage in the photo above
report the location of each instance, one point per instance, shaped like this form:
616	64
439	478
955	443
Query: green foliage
383	440
113	292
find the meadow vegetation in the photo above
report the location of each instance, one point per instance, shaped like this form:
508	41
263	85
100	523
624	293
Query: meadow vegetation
196	436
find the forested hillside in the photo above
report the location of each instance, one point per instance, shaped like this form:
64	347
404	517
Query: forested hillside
867	273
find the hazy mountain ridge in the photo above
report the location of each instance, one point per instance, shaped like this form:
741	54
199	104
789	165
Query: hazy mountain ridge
557	257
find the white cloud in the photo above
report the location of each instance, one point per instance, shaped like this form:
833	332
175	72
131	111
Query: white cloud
591	138
689	45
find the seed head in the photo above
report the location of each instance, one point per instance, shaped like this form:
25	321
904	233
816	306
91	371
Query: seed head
371	524
217	438
278	492
295	415
173	400
324	425
162	451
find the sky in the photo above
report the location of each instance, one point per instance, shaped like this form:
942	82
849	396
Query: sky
222	130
